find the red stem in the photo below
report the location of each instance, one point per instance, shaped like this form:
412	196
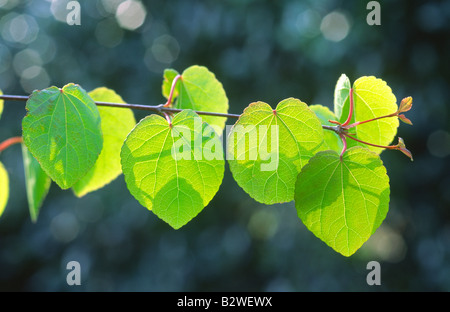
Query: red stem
344	141
172	89
350	113
168	119
11	141
363	122
367	143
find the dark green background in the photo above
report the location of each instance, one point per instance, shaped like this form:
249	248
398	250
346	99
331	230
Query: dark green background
259	50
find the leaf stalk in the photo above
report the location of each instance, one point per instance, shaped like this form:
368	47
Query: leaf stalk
8	142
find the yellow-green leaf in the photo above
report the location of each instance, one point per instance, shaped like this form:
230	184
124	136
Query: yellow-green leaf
331	139
173	169
268	147
343	201
199	90
4	188
116	124
372	98
169	76
341	98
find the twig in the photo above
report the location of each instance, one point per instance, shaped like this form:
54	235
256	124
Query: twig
153	108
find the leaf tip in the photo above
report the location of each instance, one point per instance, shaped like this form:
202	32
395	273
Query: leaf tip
402	148
404	119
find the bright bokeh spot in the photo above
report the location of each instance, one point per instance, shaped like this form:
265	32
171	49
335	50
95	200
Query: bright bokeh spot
25	59
27	64
20	28
335	26
131	14
59	10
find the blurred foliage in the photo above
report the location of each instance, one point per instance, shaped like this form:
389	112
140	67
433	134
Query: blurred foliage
259	50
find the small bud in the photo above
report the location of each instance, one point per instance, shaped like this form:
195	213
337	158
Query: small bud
402	148
334	122
405	105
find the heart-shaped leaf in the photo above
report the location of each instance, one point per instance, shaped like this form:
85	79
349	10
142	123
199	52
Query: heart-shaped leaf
62	131
199	90
343	201
116	124
267	148
173	169
37	183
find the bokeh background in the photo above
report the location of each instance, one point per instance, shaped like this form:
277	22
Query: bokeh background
259	50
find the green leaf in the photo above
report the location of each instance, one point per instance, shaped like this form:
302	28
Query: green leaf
1	105
199	90
331	139
116	124
343	202
62	131
168	77
173	169
267	148
36	181
341	97
4	188
372	98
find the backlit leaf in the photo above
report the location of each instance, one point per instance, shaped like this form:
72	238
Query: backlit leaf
4	188
62	131
372	98
36	181
331	140
116	124
174	170
343	201
341	93
267	148
168	77
199	90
